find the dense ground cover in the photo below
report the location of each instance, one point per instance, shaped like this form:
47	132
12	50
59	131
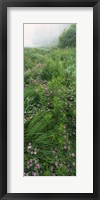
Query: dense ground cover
50	111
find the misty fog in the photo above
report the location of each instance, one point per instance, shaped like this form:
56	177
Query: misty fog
39	35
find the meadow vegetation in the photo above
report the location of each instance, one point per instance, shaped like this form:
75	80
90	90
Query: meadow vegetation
50	108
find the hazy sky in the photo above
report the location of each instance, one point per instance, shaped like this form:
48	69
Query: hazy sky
37	35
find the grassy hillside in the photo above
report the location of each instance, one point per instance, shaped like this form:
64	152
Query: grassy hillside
50	111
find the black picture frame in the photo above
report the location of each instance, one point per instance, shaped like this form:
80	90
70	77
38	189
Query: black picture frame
96	97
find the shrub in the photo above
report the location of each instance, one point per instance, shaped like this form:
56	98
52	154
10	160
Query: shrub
68	37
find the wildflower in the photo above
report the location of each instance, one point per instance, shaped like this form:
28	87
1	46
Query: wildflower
73	163
32	152
29	147
34	81
29	163
46	88
35	152
68	147
56	164
73	155
65	147
30	117
38	166
33	173
46	94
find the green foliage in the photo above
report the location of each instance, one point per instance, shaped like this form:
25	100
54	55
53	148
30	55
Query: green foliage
51	69
50	111
68	37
